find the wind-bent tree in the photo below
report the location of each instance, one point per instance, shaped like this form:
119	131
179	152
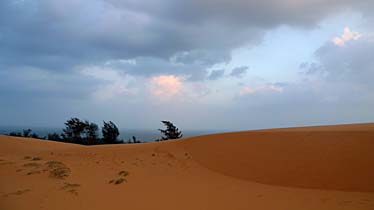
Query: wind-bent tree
171	132
91	133
74	130
110	133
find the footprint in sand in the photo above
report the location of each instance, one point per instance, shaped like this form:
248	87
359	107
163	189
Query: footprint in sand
120	179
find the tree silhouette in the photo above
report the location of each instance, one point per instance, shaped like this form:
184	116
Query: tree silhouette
110	133
74	130
91	130
17	134
54	137
35	136
171	132
27	133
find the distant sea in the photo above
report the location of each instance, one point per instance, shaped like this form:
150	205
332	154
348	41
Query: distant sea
125	134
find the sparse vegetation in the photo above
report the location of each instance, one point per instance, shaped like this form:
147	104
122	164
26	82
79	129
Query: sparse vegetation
71	188
27	133
59	173
84	132
57	169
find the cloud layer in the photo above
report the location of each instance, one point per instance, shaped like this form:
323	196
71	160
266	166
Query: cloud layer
120	58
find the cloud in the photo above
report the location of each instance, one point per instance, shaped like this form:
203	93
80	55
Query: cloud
239	71
165	86
65	56
347	36
48	34
247	90
216	74
351	64
111	83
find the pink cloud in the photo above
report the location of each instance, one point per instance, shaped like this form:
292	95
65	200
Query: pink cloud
247	90
251	90
165	86
347	36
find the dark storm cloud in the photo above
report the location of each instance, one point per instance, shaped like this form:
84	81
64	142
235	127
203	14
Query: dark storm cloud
58	35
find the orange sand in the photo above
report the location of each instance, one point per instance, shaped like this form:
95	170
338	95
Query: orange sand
325	167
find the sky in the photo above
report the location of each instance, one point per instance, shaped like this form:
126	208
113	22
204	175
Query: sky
202	64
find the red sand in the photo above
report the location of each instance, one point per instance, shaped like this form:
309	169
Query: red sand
325	167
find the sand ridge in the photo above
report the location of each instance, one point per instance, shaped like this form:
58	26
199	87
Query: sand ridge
297	168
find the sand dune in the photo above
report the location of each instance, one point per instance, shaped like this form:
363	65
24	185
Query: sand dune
324	167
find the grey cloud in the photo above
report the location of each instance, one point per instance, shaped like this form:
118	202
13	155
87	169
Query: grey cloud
216	74
265	13
167	37
59	35
150	66
55	35
239	71
352	63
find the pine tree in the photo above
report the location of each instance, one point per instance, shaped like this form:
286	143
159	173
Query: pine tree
171	132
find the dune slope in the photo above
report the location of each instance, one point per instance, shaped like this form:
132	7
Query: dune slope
328	157
328	167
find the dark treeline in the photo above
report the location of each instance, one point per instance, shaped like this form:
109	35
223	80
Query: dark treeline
87	133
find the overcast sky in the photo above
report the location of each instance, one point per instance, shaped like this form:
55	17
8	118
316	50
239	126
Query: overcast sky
203	64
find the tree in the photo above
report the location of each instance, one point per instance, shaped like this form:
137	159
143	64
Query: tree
54	137
110	133
35	136
27	133
17	134
171	132
91	130
74	130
